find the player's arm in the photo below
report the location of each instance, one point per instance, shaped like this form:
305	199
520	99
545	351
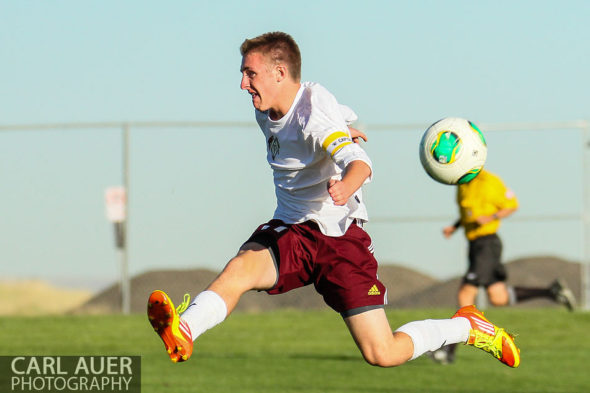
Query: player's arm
355	175
449	230
337	138
356	165
500	214
506	203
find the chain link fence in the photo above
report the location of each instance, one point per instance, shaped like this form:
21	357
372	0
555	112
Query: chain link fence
196	190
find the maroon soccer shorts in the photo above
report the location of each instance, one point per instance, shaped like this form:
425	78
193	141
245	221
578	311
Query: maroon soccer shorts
342	269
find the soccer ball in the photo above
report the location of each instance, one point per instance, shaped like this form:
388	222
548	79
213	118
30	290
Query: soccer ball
453	151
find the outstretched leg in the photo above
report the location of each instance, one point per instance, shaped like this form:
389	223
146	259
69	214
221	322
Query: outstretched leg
382	347
252	268
378	344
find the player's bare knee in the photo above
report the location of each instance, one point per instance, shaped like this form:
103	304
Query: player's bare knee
498	295
498	301
381	356
382	361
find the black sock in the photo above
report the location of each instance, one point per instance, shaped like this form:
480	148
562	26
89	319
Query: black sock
451	348
523	293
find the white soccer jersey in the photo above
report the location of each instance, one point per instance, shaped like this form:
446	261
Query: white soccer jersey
306	148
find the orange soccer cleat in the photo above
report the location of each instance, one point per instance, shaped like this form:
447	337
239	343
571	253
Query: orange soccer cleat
490	338
172	329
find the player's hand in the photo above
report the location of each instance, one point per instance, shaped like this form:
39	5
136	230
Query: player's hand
356	134
448	231
339	191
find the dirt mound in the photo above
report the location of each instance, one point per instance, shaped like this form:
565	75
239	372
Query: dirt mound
399	280
406	288
525	272
36	297
174	282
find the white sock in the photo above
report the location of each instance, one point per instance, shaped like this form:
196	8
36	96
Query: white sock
206	311
431	334
512	300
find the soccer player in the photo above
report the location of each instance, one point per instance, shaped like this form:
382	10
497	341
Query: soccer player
316	235
483	203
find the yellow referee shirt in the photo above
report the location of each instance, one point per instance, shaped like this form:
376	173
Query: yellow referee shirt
483	196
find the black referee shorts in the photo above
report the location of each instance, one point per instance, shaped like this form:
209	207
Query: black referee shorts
485	262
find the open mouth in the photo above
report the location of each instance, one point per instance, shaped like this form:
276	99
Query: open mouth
255	96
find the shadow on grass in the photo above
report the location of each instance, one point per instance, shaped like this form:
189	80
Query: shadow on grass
300	356
334	357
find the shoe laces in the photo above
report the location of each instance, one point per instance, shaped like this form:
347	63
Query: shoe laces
185	303
491	344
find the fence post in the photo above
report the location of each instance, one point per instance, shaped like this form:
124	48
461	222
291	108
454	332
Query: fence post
125	283
585	265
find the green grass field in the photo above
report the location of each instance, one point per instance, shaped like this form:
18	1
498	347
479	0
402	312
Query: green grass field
294	351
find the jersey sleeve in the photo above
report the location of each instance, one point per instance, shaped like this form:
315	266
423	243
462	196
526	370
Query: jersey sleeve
348	114
504	197
329	122
510	200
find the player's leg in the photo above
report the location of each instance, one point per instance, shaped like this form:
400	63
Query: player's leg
483	257
558	291
498	294
346	276
481	265
382	347
252	268
485	269
377	343
563	294
467	294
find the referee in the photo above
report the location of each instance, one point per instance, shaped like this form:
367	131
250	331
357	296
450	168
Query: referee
483	203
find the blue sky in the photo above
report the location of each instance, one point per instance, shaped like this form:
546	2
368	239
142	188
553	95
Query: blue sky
197	194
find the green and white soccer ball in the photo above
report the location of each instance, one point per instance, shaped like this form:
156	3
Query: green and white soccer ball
453	151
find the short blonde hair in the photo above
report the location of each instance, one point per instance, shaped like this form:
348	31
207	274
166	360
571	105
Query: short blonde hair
279	47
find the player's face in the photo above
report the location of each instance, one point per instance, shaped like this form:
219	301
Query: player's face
259	80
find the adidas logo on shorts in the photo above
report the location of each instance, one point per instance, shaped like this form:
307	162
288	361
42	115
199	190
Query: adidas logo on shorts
374	291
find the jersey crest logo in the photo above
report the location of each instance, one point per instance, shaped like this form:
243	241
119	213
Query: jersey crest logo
273	146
